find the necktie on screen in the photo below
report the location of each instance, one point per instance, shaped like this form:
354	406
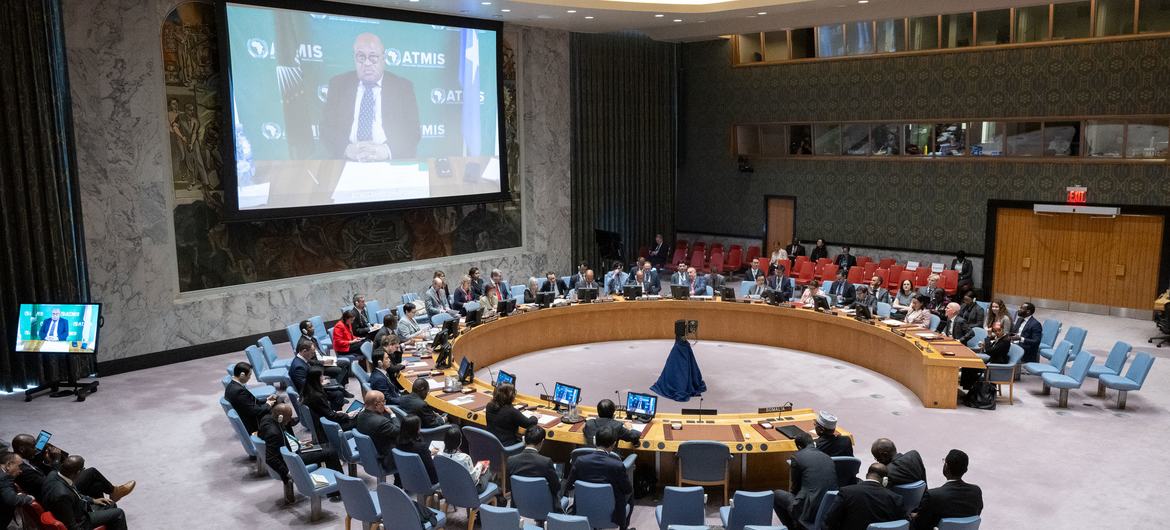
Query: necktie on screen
365	130
52	330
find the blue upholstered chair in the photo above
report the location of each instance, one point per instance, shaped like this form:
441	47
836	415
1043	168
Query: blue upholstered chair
362	377
240	431
1133	379
1073	379
1055	366
901	524
260	368
826	286
744	287
468	307
321	332
225	405
847	469
680	506
369	458
517	292
459	489
483	445
380	315
1075	336
342	443
440	318
911	495
409	297
750	507
984	305
305	483
595	502
496	518
884	309
367	349
265	344
399	513
1005	373
294	334
557	521
704	463
305	419
413	475
531	496
260	391
1113	364
827	502
360	503
959	523
934	321
979	335
1050	329
373	307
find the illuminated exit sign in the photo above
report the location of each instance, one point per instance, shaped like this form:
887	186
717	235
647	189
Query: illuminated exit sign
1076	194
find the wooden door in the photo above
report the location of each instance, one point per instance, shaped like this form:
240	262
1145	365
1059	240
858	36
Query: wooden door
1131	271
781	221
1091	245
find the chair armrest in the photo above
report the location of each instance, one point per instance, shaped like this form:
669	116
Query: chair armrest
513	449
629	461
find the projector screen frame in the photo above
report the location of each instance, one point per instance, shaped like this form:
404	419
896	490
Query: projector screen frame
232	211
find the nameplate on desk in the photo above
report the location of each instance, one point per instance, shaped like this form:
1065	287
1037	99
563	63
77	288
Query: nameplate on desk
699	412
769	410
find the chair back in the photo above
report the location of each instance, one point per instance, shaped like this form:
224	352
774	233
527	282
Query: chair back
372	308
224	403
294	334
716	261
830	270
750	508
380	315
298	473
595	502
360	374
412	473
703	461
367	348
959	523
1080	367
980	335
682	506
439	319
409	297
483	445
884	309
735	258
949	281
901	524
557	521
934	321
455	482
359	503
855	274
1051	328
903	276
516	291
337	440
470	306
242	433
1076	336
1117	356
368	456
307	420
1139	368
847	469
1060	355
894	276
269	349
398	510
911	495
319	330
868	269
256	357
921	276
827	501
497	518
531	496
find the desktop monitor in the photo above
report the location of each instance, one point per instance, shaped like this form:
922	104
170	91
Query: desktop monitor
452	328
680	292
58	328
632	291
474	317
821	303
545	298
641	404
466	370
505	307
586	294
727	294
862	312
566	395
505	377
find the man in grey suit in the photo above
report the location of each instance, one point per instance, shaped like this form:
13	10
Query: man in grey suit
436	302
811	473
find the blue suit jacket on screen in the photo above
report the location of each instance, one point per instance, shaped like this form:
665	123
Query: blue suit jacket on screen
62	329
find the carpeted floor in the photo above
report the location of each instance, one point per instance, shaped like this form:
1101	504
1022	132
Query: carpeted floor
1089	466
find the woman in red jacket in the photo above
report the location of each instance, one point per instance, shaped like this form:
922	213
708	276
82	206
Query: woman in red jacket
343	337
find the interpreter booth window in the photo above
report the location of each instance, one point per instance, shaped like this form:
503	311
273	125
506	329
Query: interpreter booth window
950	139
800	140
884	139
776	46
747	140
772	143
956	30
1032	24
1062	138
1025	138
1114	17
924	33
987	138
859	38
918	136
1147	139
827	139
804	43
855	139
1104	139
891	35
995	27
831	40
1154	16
750	50
1072	20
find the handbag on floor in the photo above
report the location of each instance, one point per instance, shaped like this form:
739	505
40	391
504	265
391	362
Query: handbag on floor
981	396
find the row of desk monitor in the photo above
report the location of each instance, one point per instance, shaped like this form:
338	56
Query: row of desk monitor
568	395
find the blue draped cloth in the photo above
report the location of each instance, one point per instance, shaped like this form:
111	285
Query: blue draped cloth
681	378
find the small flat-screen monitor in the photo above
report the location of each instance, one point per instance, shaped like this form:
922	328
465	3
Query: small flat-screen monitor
505	307
58	328
631	291
355	406
545	298
566	394
474	317
452	328
466	370
43	440
862	312
727	294
680	292
586	294
505	377
821	303
641	404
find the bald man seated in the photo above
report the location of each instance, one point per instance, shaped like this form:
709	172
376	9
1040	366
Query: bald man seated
36	465
276	431
380	425
75	509
370	115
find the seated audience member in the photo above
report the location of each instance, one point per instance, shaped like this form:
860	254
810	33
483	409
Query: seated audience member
970	311
904	299
452	442
811	473
603	466
759	288
71	506
582	268
463	295
531	290
488	302
931	286
243	401
864	298
389	328
361	326
552	284
997	345
938	303
652	276
658	251
344	341
953	325
953	499
10	500
715	281
615	279
36	465
697	283
1027	332
435	300
966	269
387	359
309	334
997	313
587	281
446	290
276	431
415	404
780	283
828	440
502	286
901	468
794	249
877	287
408	329
298	369
503	420
842	293
410	440
605	420
918	315
380	425
320	405
819	251
811	292
845	260
639	280
865	503
530	463
755	271
680	276
477	282
778	256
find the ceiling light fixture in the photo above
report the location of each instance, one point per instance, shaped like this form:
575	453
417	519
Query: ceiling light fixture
589	18
506	10
863	1
762	13
571	11
659	16
678	20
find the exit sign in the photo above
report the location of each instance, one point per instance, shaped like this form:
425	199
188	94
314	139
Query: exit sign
1076	194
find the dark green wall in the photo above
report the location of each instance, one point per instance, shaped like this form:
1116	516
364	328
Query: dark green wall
937	205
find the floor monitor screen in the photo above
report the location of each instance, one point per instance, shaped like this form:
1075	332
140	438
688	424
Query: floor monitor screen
57	328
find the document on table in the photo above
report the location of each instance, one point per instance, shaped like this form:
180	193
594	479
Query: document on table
462	400
381	181
638	427
435	384
419	364
540	418
892	322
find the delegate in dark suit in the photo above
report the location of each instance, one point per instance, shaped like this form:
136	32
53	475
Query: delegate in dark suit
60	330
843	293
1030	334
862	504
604	467
10	500
780	283
906	468
595	425
382	430
953	499
530	463
416	406
77	510
811	473
999	350
834	445
298	371
245	404
956	328
399	115
274	438
559	287
380	382
505	422
846	261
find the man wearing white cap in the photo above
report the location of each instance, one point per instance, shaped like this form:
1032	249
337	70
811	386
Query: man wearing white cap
828	441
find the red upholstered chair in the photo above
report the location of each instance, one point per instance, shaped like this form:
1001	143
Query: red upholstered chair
950	281
682	243
894	278
644	252
906	275
868	269
35	514
880	273
717	246
699	245
799	260
829	271
733	247
753	252
735	258
697	259
855	275
716	264
680	255
824	261
807	272
886	263
862	260
921	276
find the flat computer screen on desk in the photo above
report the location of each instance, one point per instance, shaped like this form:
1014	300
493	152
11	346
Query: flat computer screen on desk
566	394
641	404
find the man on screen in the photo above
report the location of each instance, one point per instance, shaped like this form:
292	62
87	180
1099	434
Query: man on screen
370	115
56	328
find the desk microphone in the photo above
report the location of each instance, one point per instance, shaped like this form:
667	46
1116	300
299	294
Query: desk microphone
493	376
547	396
700	408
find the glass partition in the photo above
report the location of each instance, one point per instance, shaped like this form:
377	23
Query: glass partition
1072	20
1104	139
772	142
884	139
1146	139
1025	138
1062	138
859	38
891	35
1032	24
987	138
831	40
776	46
950	139
800	140
827	139
918	136
855	139
804	43
750	50
1154	16
747	140
924	33
995	27
1114	17
956	30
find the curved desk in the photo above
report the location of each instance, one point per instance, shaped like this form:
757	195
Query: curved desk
926	372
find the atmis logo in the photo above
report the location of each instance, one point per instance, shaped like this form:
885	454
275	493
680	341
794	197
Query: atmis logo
440	96
258	48
415	59
433	130
261	49
272	131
